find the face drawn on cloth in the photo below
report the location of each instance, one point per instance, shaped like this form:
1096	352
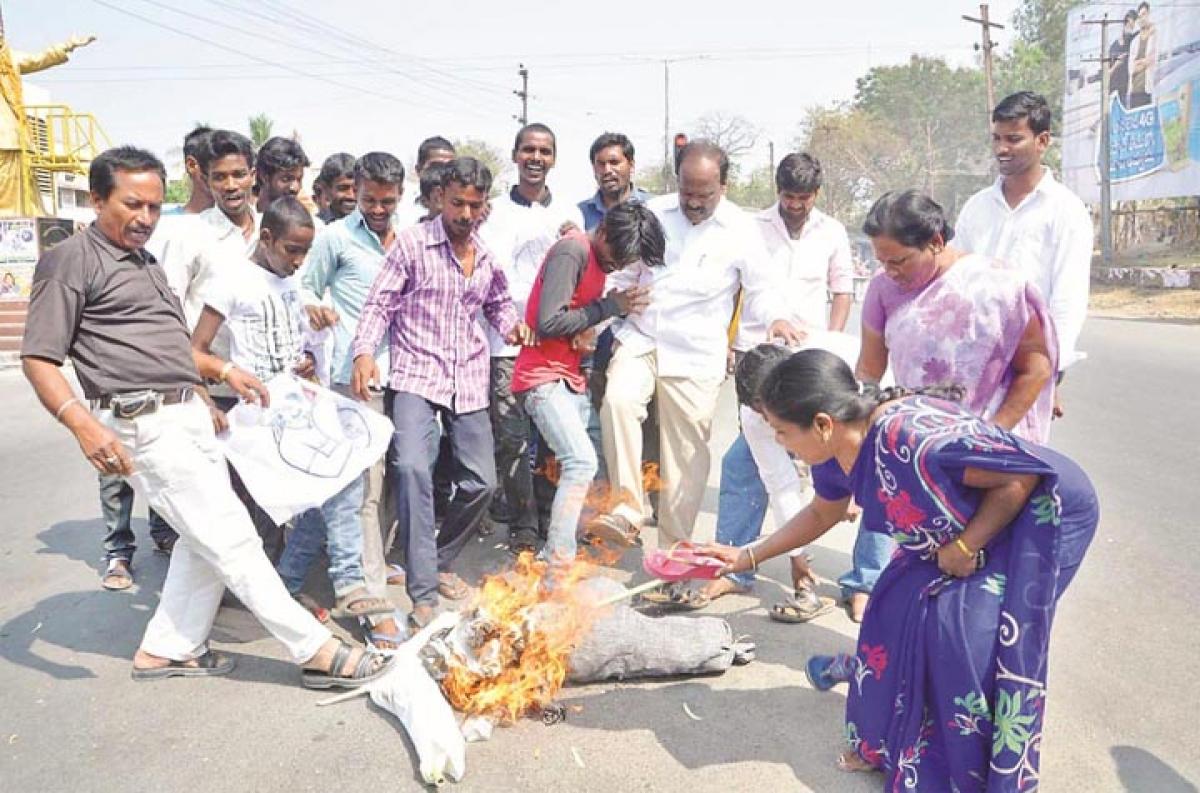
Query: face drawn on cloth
316	435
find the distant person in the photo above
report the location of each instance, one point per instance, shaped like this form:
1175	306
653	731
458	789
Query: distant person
1029	219
200	198
336	181
611	158
1143	65
1118	56
280	171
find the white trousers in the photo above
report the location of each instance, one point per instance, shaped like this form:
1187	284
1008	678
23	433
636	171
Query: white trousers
180	472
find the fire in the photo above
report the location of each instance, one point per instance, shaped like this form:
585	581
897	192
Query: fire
509	655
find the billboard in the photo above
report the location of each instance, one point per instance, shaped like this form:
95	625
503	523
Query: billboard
1153	103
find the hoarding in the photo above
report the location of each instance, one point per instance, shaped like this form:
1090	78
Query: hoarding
1153	102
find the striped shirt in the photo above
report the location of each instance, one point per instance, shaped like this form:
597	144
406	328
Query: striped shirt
427	307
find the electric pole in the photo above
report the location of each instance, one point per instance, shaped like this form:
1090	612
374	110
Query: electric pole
771	155
524	95
1106	247
986	46
668	172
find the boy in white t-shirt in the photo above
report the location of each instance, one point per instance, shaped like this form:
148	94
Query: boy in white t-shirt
260	303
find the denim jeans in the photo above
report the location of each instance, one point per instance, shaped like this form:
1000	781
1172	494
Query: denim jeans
872	552
116	507
338	525
562	417
742	503
411	457
511	430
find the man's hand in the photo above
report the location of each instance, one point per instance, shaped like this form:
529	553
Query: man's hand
521	334
306	369
321	317
248	387
786	332
102	449
584	341
633	300
366	371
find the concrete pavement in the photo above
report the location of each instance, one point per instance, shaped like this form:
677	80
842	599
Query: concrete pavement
1121	714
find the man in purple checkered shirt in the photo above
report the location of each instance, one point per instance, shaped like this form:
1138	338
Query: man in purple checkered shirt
435	279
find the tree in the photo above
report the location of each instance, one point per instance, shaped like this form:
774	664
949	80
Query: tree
489	155
734	134
755	192
178	191
260	129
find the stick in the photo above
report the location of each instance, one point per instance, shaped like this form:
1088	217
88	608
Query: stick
629	593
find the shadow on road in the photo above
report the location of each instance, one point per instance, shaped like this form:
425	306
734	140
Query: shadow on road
1139	769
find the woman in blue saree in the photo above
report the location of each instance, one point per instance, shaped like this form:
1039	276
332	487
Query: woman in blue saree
947	690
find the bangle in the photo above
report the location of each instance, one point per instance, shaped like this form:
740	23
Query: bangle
962	546
63	407
225	370
753	562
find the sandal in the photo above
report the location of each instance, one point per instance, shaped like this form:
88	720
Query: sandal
850	762
118	575
396	575
806	605
370	667
678	595
451	587
372	637
211	664
417	621
359	602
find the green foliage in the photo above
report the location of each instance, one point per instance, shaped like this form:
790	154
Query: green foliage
260	129
491	156
178	191
757	191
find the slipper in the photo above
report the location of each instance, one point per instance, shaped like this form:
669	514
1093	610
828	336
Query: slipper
371	637
806	605
451	587
678	595
396	575
371	666
211	664
117	576
850	762
359	602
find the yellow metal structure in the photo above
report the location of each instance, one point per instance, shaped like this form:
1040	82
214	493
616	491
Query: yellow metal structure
60	141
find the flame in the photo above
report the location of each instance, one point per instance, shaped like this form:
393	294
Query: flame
523	634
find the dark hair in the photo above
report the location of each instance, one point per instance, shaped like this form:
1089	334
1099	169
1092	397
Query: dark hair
611	139
468	172
225	143
279	154
705	148
379	166
336	166
431	178
798	173
1027	105
632	232
196	140
911	218
753	369
429	146
1131	15
535	127
283	214
128	159
817	381
1143	5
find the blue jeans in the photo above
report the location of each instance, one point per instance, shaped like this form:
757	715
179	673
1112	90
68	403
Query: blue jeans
116	507
872	552
742	503
562	416
411	457
335	523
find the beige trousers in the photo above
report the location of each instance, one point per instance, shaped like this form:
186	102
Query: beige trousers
685	413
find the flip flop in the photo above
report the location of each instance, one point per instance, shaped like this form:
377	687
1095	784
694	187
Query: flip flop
360	602
396	575
211	664
118	576
372	636
452	587
804	607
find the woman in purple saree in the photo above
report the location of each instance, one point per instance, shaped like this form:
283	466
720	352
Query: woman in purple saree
943	317
947	690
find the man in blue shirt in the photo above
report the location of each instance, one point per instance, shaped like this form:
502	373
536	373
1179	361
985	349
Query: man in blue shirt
343	262
611	156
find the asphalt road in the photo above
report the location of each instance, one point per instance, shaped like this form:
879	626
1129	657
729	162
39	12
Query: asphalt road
1122	686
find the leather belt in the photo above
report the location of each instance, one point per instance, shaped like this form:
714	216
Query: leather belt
139	403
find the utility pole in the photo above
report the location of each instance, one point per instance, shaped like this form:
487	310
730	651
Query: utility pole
668	172
524	95
987	45
771	155
1106	246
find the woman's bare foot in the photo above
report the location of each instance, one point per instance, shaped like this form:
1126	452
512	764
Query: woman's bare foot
850	762
856	605
719	587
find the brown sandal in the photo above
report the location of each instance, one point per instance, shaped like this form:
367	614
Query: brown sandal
359	602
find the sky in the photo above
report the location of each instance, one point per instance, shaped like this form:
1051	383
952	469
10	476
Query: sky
359	76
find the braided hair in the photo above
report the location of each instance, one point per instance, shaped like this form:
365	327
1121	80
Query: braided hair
817	381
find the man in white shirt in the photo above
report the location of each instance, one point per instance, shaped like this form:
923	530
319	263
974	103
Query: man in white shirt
520	230
435	149
1029	218
811	252
676	349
